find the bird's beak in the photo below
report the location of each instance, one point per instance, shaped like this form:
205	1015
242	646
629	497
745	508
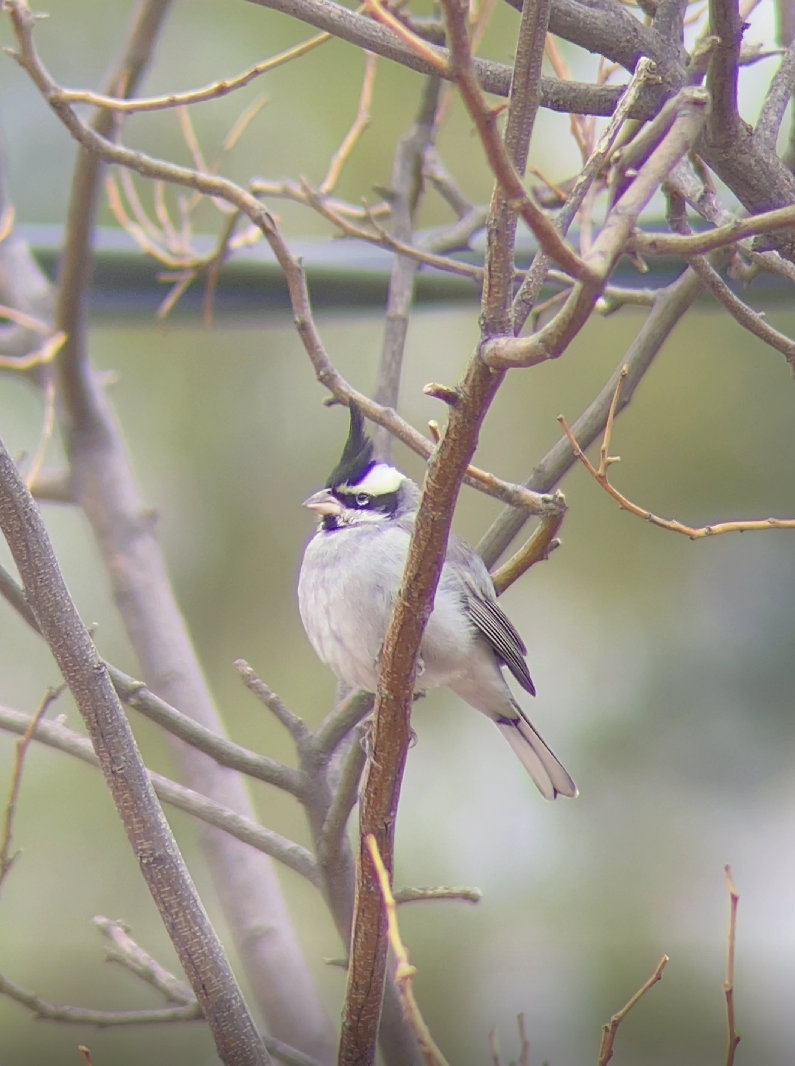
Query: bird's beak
323	503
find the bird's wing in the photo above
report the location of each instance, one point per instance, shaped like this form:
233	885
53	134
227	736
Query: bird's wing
501	634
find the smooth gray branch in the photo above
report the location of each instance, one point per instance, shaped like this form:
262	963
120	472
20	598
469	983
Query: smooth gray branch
199	950
404	194
136	695
249	832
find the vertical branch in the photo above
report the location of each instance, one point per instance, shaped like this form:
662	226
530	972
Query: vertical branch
723	119
404	195
77	261
391	724
728	984
522	109
23	286
199	950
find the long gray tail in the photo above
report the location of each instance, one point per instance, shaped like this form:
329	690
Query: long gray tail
540	761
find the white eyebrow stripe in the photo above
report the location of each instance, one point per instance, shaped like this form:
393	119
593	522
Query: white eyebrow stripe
380	481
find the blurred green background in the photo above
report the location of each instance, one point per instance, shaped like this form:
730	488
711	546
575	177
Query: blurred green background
665	668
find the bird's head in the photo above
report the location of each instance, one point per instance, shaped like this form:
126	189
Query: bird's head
360	489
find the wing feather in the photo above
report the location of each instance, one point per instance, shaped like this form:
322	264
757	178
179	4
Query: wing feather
500	632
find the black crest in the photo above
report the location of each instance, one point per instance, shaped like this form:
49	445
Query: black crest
357	456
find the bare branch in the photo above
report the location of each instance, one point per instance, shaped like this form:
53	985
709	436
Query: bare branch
499	154
248	832
123	950
345	797
724	118
599	474
7	860
420	895
194	939
778	97
740	311
51	1012
404	971
360	124
522	111
531	286
670	304
494	77
245	880
537	548
213	91
405	191
548	343
136	695
728	984
292	723
336	726
609	1031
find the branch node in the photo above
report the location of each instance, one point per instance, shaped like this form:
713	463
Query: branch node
445	393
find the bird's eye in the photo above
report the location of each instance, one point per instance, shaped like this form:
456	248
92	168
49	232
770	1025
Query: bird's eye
363	498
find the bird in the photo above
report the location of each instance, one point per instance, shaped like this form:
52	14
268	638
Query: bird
350	575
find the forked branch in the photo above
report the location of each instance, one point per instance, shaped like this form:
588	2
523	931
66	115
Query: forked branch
600	475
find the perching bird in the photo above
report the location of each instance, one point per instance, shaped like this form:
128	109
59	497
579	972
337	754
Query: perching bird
350	576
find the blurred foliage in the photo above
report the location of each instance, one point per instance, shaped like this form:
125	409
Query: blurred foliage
664	667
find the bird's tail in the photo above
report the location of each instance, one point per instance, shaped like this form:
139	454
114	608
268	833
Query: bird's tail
540	761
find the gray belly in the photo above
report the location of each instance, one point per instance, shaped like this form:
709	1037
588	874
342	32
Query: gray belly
346	617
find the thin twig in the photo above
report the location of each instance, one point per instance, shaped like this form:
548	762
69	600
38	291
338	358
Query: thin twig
709	240
405	193
40	356
668	307
292	723
728	984
421	895
51	1012
338	724
213	91
503	352
404	970
610	1029
248	832
601	477
215	186
135	694
46	432
7	860
345	797
124	951
531	286
535	549
27	321
524	1043
714	283
360	124
179	1012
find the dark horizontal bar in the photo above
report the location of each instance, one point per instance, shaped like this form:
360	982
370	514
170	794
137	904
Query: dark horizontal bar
344	275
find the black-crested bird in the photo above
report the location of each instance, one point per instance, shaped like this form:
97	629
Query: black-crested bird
351	573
